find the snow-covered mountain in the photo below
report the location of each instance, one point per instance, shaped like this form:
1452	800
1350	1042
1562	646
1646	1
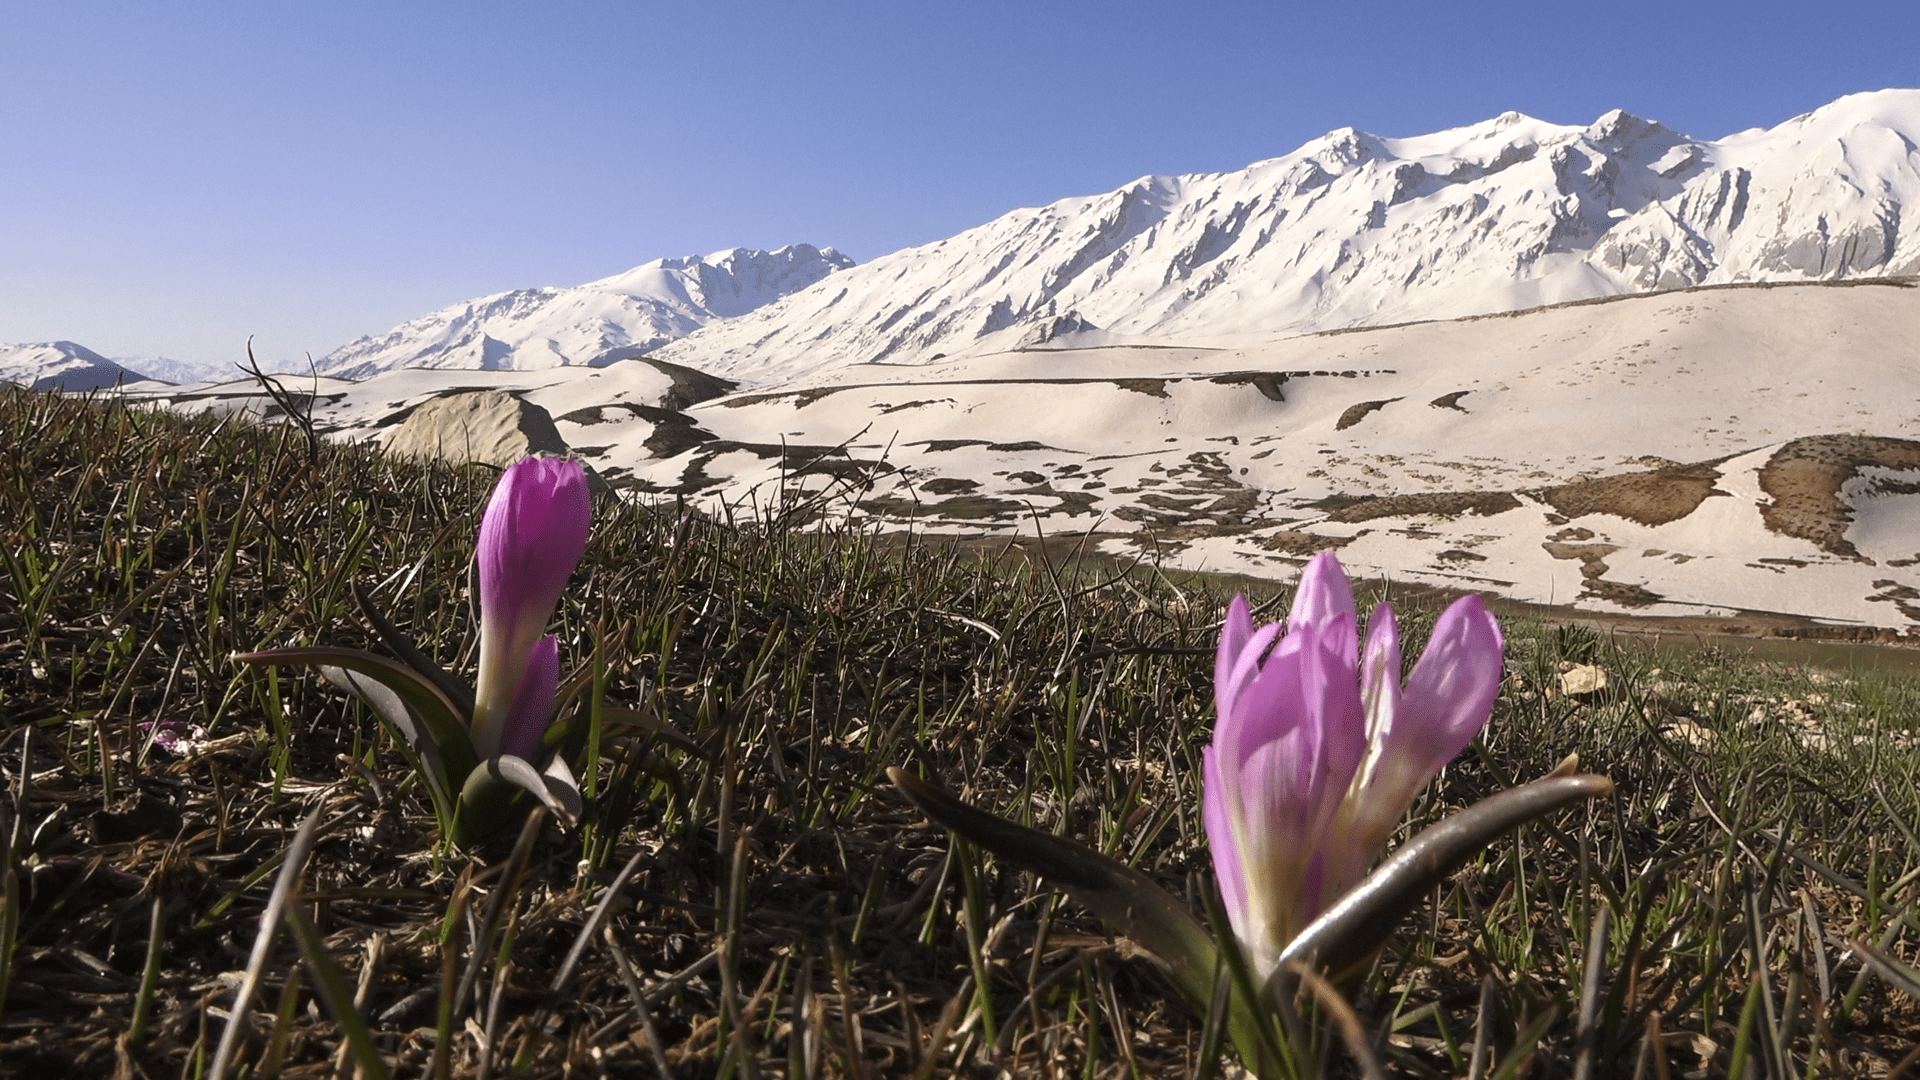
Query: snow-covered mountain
1354	229
593	324
61	365
178	372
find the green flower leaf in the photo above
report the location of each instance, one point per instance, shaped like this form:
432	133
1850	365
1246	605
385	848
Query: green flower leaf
492	797
648	720
457	692
420	750
444	722
1345	936
1116	892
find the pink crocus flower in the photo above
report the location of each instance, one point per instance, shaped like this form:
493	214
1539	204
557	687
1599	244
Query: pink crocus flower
1319	749
531	537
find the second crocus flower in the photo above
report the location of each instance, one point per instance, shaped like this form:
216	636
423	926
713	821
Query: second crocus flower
532	535
1318	750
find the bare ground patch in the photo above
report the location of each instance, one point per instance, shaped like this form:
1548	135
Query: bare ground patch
1357	413
961	507
1804	478
1648	498
1593	569
1302	544
1348	509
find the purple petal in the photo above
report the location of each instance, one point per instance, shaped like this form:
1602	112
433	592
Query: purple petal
175	736
1244	670
1380	672
1300	739
1235	632
1449	695
1217	814
531	537
1262	703
1277	789
1447	699
1291	737
1330	687
533	705
1322	591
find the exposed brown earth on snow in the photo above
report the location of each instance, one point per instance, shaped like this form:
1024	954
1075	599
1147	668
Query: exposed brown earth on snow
1348	510
1649	498
1805	476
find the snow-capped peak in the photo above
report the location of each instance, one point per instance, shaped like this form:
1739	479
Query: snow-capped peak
61	365
603	321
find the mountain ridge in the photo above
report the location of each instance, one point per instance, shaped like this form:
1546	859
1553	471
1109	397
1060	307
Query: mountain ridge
1350	229
1358	229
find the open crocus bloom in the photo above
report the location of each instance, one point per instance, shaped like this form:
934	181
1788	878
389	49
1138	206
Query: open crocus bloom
1318	750
531	537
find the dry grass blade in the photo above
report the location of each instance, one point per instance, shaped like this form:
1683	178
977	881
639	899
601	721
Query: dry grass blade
504	893
1903	976
563	979
333	988
1518	1058
1593	965
149	974
277	905
640	1011
441	1067
1213	1031
15	831
1483	1018
1352	1032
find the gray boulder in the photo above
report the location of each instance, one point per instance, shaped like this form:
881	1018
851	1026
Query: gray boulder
476	425
480	425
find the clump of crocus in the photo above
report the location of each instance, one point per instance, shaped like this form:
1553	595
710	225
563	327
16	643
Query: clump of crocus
478	749
1319	748
1318	751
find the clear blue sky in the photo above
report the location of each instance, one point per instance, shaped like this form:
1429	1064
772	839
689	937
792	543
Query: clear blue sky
176	176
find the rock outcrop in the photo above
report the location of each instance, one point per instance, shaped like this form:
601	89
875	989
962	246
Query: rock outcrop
486	426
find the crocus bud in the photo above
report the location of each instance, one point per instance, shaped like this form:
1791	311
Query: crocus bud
1312	766
531	538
